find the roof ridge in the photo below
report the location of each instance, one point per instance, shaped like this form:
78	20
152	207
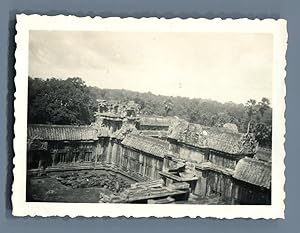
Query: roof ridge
265	149
61	126
257	161
147	138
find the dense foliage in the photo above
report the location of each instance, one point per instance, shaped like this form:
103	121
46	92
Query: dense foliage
70	101
58	101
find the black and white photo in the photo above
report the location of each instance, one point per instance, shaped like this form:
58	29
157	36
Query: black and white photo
173	117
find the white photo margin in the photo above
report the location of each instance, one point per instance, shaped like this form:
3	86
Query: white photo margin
25	23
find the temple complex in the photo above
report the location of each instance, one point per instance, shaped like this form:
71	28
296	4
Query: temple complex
153	159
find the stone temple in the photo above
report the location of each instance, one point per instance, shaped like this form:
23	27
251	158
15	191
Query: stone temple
125	157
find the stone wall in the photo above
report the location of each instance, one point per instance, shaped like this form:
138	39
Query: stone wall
223	160
212	169
63	152
132	160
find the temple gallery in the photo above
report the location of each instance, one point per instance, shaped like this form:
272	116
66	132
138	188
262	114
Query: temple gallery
125	157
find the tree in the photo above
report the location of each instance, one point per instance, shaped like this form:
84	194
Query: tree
251	110
60	101
260	121
204	120
263	134
263	106
168	104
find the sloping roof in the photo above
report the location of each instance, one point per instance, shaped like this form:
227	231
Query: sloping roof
264	154
61	132
154	133
254	172
232	127
220	139
155	121
146	144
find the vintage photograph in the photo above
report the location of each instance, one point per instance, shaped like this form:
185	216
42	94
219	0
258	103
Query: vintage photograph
166	116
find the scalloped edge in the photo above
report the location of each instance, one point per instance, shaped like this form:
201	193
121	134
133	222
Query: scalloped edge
62	22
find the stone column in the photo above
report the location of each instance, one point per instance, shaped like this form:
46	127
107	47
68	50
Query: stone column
74	157
109	150
114	153
128	160
96	152
40	159
202	184
101	150
140	163
53	156
145	165
121	156
118	154
153	163
165	164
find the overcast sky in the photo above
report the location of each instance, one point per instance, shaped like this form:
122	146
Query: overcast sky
219	66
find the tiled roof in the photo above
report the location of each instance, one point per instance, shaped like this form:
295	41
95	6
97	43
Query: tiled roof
154	133
155	121
146	144
61	132
232	127
220	139
254	172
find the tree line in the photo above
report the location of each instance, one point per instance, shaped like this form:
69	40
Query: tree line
70	101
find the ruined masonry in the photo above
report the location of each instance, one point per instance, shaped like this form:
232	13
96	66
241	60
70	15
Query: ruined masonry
169	159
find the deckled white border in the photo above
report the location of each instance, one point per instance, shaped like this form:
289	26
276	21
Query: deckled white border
36	22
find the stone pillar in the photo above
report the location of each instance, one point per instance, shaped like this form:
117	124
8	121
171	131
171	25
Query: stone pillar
97	151
53	156
118	154
101	150
201	186
145	165
40	164
165	164
109	150
140	163
121	156
114	153
128	160
153	163
235	193
74	157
